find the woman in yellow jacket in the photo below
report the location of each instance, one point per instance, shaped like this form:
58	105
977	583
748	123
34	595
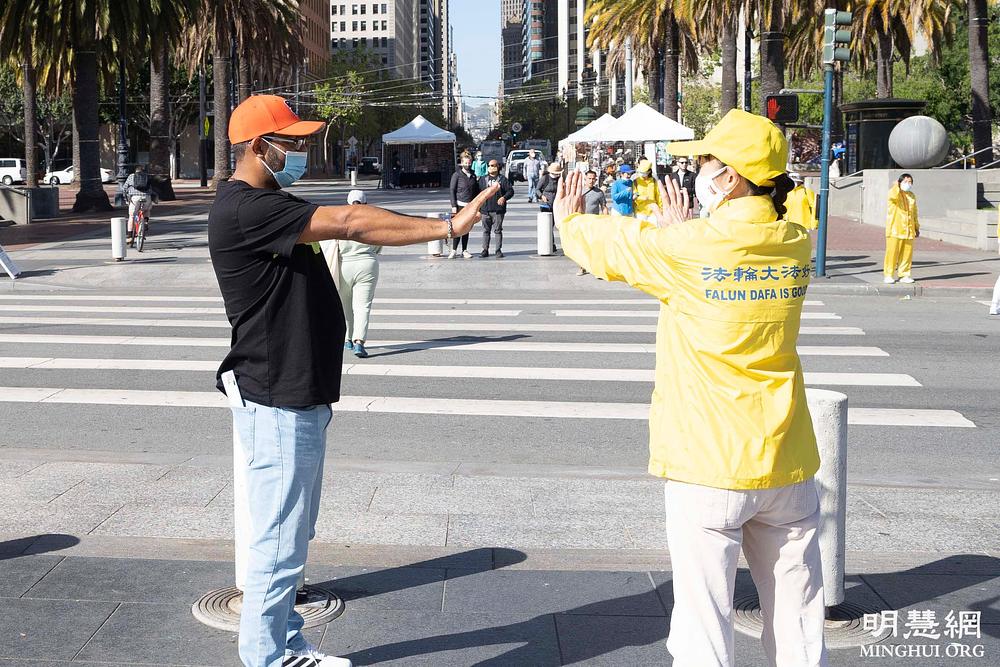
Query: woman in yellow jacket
729	428
901	227
800	205
646	191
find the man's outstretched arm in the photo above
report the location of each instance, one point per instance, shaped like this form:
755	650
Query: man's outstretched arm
378	226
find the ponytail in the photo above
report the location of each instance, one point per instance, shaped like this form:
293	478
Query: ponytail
783	184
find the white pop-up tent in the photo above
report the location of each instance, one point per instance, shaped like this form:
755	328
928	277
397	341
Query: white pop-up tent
642	123
418	132
591	131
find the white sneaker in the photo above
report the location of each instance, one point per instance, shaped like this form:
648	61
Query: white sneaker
466	254
451	255
888	280
310	657
907	280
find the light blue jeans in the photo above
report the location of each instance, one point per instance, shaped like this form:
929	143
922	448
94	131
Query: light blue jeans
532	188
284	450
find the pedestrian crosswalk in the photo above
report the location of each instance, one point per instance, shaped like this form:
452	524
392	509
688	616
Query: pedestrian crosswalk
92	349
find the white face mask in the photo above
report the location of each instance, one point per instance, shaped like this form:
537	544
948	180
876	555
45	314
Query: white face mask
704	189
905	187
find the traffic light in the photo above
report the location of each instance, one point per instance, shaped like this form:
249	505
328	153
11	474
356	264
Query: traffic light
836	36
782	108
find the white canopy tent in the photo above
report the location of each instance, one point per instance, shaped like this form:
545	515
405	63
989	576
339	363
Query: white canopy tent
417	132
643	123
591	131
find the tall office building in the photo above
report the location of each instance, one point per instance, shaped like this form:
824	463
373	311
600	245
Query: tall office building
434	49
539	39
385	28
512	45
315	35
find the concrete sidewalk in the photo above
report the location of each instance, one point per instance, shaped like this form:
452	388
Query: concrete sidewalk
72	603
855	254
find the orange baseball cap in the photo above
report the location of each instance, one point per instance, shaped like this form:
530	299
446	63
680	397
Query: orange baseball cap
268	114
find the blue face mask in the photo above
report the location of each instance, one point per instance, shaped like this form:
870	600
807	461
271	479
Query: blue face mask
294	169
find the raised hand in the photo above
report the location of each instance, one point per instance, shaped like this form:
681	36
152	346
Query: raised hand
463	221
674	204
569	196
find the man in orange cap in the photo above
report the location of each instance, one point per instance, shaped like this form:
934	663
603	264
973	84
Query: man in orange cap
283	369
729	428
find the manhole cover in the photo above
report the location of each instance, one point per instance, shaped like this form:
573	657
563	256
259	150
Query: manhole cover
844	624
221	608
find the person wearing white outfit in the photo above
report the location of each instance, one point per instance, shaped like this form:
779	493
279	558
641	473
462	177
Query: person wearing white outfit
356	283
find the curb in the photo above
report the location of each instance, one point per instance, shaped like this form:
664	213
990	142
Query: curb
867	289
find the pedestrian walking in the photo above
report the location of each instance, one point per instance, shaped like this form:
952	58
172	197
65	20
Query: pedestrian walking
684	176
532	170
464	186
479	165
495	207
901	227
547	187
595	202
801	203
646	191
622	197
729	428
358	278
282	373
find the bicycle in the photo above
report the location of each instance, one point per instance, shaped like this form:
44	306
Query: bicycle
139	222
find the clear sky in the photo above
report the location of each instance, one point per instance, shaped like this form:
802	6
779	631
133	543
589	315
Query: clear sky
476	25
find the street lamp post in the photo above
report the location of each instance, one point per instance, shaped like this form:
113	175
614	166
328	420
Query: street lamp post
122	166
202	129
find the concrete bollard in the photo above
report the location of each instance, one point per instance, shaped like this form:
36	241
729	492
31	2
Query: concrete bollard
545	234
118	238
435	248
354	177
829	417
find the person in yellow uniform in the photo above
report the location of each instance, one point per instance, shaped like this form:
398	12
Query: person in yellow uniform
800	205
901	227
646	191
729	428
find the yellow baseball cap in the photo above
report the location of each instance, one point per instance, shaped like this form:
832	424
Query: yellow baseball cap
750	144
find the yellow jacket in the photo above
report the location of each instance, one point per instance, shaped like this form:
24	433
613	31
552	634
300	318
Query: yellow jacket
646	194
901	219
800	207
729	406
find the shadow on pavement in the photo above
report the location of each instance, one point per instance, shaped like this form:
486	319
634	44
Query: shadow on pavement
20	546
931	583
442	343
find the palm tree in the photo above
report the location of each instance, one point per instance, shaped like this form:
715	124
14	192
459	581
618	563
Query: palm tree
716	26
16	40
167	22
657	35
979	70
265	34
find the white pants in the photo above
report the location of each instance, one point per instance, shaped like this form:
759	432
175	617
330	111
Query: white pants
777	529
133	203
358	278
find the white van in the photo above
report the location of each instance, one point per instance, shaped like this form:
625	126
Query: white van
12	170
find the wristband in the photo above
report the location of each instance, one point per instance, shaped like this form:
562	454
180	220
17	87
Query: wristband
451	231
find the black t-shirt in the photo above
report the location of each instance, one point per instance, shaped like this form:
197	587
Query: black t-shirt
288	323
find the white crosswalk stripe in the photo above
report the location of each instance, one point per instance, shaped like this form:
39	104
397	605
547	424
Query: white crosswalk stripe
415	370
445	406
52	329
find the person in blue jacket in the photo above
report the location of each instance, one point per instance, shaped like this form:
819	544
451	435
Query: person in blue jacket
622	195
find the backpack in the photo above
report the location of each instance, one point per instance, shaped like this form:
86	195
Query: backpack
140	182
